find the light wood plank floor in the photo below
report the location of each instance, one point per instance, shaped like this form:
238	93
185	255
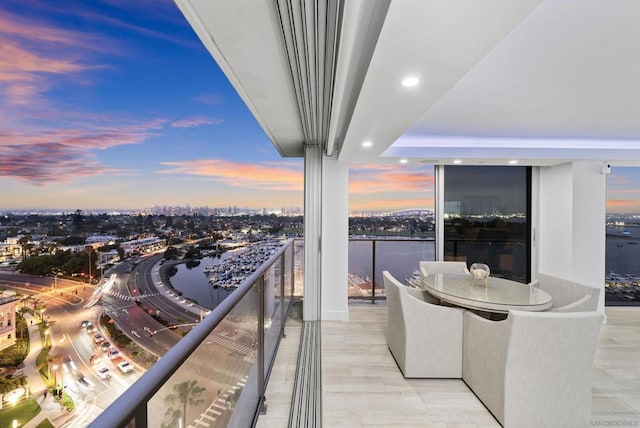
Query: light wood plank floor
363	387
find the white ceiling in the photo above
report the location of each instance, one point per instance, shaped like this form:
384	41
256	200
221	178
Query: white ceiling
538	81
541	82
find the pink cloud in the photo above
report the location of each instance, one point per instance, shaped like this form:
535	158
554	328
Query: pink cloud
263	177
209	99
88	138
196	121
41	164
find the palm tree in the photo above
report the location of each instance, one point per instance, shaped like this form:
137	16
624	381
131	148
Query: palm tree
24	243
184	393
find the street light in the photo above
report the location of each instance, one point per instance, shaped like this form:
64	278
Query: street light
89	249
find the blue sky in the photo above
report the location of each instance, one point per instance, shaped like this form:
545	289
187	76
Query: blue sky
111	103
115	104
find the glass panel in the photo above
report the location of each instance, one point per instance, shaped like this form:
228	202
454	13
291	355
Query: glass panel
622	265
299	268
401	259
217	384
487	218
273	319
360	267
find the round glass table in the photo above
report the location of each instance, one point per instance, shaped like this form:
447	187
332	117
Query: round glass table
499	296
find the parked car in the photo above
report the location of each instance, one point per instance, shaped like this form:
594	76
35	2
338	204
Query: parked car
113	354
98	338
125	367
105	346
103	372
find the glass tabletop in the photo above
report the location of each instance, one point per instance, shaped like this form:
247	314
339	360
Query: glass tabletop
500	295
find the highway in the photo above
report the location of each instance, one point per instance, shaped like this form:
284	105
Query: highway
221	364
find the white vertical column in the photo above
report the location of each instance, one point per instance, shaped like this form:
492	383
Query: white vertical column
589	225
571	230
335	240
439	208
312	232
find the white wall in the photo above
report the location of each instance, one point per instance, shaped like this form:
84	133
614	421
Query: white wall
335	239
571	228
555	228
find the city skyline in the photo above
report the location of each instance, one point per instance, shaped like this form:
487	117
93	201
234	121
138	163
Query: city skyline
117	105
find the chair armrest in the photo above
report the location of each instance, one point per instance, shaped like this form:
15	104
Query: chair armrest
433	338
484	356
580	305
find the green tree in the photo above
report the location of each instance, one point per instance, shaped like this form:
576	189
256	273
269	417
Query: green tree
120	251
171	253
78	220
184	393
24	245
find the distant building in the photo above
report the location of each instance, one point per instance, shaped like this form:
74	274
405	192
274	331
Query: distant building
10	249
143	245
7	320
100	239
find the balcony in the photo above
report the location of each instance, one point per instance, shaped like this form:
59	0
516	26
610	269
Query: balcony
362	385
236	376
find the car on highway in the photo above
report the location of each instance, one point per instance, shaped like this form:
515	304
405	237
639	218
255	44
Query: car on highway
125	366
90	328
105	346
84	324
103	372
113	354
85	383
98	338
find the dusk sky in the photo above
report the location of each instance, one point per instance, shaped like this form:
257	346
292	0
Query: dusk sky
115	104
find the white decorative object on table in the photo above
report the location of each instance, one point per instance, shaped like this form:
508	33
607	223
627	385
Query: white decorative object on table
479	274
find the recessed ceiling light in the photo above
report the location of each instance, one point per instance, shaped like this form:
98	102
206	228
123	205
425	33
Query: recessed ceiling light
513	162
410	81
404	160
367	144
457	161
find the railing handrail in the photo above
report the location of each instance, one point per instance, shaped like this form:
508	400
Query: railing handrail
126	406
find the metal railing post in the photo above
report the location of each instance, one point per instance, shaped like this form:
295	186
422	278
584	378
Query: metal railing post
373	271
283	312
261	344
141	418
293	269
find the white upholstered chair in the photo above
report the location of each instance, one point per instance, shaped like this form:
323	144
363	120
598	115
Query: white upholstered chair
568	296
424	338
532	369
433	267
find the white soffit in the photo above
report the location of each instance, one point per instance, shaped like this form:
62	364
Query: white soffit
437	41
245	39
565	84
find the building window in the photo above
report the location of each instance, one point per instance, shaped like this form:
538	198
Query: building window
487	218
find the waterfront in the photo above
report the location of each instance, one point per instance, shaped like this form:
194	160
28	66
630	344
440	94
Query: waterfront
401	258
192	282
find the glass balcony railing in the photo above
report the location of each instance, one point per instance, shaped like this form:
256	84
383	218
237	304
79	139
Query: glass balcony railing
368	258
217	374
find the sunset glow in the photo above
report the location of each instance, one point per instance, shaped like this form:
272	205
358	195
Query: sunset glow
108	104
